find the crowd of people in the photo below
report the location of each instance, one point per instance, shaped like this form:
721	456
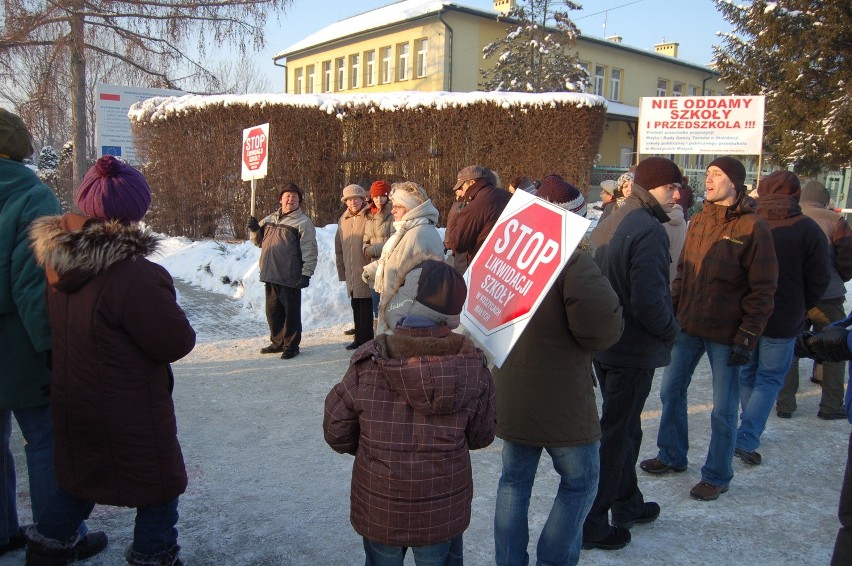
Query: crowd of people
649	287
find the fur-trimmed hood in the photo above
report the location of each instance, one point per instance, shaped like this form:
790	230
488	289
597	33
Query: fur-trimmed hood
74	248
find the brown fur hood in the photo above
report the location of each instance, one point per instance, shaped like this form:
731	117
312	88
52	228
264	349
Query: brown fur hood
74	248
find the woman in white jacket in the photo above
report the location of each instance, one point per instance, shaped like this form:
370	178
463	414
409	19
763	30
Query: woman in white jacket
415	232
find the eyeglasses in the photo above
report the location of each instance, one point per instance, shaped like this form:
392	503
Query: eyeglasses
397	207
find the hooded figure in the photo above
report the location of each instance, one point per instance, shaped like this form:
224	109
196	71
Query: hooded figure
410	407
116	327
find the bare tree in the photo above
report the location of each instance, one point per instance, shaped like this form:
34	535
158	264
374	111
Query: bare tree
151	37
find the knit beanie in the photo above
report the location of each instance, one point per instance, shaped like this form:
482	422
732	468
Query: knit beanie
656	172
733	168
353	191
379	188
113	189
432	290
16	142
814	191
562	193
408	194
780	183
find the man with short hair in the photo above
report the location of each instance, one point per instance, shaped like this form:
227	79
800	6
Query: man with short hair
632	250
723	296
480	206
288	242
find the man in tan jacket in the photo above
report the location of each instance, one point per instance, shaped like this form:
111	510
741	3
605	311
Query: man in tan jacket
350	257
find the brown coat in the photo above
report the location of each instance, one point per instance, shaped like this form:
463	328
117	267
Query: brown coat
349	252
482	206
116	327
410	407
727	275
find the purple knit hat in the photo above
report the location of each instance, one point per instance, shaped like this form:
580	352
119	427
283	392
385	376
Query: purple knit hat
113	189
560	192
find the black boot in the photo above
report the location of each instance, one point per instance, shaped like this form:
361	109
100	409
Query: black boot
166	558
43	551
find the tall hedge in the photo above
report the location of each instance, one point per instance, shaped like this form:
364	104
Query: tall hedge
190	147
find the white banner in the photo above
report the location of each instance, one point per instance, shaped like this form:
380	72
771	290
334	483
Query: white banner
709	125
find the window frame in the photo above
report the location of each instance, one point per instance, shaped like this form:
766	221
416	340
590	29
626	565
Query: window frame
421	57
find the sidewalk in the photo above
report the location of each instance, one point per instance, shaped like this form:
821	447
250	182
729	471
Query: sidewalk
265	489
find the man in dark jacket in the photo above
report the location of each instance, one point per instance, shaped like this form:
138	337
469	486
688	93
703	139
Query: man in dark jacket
25	348
632	250
802	279
838	234
546	401
481	205
411	406
288	257
722	295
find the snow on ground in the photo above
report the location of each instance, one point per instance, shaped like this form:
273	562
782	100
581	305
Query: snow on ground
265	490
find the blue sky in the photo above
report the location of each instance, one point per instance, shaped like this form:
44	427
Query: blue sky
642	23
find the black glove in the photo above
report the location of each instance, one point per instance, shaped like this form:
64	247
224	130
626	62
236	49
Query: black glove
739	355
252	225
801	349
830	345
304	281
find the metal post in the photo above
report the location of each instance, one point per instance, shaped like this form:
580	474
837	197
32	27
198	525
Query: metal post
253	190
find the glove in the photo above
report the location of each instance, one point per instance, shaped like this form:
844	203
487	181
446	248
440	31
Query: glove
801	349
253	225
739	356
830	345
303	283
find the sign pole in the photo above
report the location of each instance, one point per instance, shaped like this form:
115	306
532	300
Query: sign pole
253	191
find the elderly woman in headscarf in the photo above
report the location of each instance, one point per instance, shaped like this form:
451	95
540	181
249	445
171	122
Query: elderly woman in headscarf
415	232
625	187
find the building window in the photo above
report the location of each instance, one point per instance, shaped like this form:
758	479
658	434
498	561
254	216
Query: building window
311	77
422	50
709	92
699	161
299	80
386	65
662	87
677	89
615	84
340	65
600	76
402	56
370	68
692	90
326	76
354	70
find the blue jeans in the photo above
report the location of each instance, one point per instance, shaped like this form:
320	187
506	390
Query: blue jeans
375	297
673	435
562	536
154	532
449	553
760	381
37	429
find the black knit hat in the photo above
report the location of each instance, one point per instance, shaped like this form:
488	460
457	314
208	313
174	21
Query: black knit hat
656	172
780	183
733	168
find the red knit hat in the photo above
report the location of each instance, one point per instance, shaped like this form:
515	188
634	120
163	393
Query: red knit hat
379	188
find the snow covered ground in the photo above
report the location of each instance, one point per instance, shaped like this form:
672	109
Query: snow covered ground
265	489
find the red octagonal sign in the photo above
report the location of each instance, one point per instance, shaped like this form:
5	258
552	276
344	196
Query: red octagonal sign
515	266
255	149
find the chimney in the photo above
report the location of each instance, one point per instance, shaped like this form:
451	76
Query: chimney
614	38
667	48
504	6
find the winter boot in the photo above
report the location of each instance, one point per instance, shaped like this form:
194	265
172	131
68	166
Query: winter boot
43	551
166	558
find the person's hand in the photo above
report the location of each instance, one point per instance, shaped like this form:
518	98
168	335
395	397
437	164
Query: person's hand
801	349
253	225
739	356
303	283
830	345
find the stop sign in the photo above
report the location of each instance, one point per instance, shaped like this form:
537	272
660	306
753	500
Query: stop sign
255	151
516	265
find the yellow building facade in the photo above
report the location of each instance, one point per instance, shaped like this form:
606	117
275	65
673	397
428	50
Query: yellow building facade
436	45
